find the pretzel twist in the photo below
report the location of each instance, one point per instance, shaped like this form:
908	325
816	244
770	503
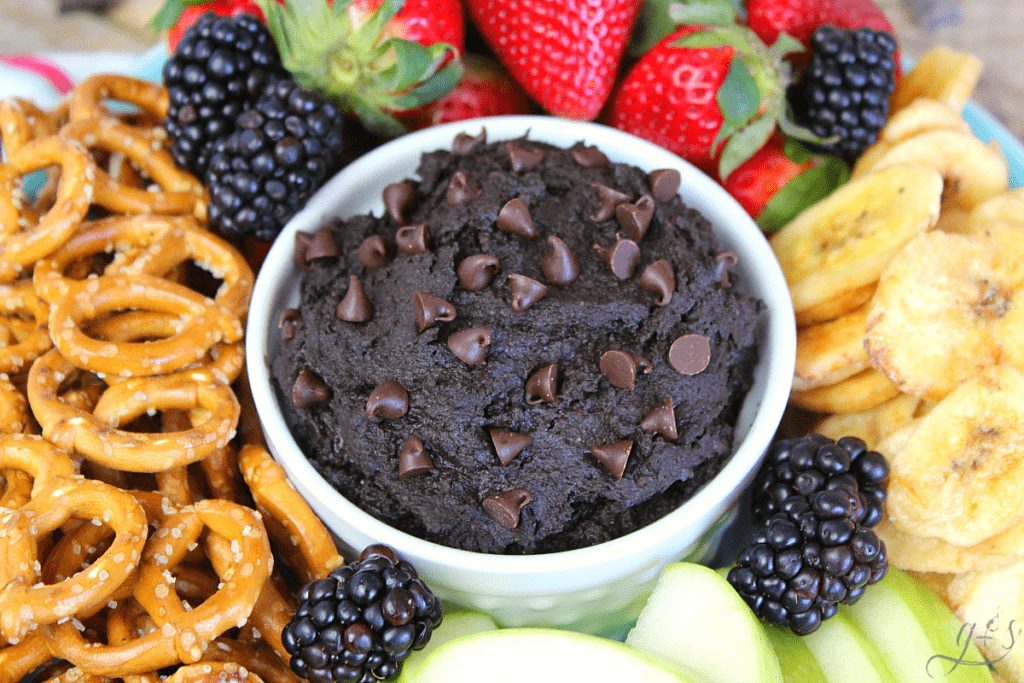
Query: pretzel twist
19	304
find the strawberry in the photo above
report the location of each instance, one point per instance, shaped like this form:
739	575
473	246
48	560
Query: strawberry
782	179
486	89
565	53
425	21
175	16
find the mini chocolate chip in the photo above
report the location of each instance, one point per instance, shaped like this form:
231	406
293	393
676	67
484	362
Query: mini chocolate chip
504	507
375	252
664	183
613	456
470	345
413	459
690	353
413	239
309	389
461	189
389	399
355	307
662	420
559	265
430	309
464	143
636	218
302	242
588	156
525	291
659	279
508	445
542	387
523	158
288	323
476	272
622	258
607	200
515	217
621	367
322	245
398	197
724	260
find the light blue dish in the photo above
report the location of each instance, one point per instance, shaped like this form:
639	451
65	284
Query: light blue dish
986	127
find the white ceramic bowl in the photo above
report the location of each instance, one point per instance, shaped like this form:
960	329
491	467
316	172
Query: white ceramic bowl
599	589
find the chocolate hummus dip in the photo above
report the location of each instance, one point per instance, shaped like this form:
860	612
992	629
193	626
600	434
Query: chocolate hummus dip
533	350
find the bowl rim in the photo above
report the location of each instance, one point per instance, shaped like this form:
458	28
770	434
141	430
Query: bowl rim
725	486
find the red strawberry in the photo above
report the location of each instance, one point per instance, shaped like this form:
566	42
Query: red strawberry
565	53
799	18
762	175
486	89
425	21
177	15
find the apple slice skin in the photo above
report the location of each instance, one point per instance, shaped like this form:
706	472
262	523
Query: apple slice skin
455	625
844	653
691	601
545	655
797	662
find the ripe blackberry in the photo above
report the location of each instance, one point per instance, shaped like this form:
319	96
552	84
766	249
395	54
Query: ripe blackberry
812	463
362	621
807	559
216	70
282	150
845	90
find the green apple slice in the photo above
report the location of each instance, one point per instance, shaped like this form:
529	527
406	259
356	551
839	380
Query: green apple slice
845	655
455	625
544	655
795	658
689	603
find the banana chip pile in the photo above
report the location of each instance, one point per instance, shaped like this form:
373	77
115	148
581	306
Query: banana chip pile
906	284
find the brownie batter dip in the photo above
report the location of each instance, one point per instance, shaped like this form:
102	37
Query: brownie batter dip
532	350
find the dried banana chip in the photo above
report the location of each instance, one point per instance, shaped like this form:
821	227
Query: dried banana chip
1004	208
847	302
829	352
941	74
862	391
991	605
923	554
874	424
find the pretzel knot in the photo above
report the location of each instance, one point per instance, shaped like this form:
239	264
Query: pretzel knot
23	316
87	99
21	121
24	603
97	436
23	245
182	635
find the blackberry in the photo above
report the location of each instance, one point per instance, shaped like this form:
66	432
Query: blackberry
217	69
362	621
845	89
805	465
807	559
283	148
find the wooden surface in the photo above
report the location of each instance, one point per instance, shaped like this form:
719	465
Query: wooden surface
991	29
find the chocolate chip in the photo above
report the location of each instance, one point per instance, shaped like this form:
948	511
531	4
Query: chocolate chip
607	200
322	245
476	272
431	309
375	252
515	217
398	197
613	456
302	242
413	459
659	279
542	387
309	389
559	265
724	260
661	420
523	158
623	258
636	218
588	156
461	189
690	353
470	345
464	143
664	183
355	307
389	399
288	323
621	367
413	239
504	507
525	291
509	444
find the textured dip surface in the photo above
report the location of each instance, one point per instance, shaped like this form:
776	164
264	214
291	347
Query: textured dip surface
556	491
